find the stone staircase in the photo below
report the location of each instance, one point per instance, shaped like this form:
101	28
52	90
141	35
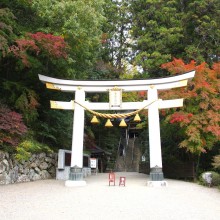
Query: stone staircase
129	161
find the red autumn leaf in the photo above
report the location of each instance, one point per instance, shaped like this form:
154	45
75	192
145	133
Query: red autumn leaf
11	126
38	43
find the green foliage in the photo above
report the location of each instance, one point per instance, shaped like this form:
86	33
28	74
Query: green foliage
22	154
158	31
116	46
82	33
201	23
55	128
22	98
166	29
107	138
28	147
103	71
7	23
171	136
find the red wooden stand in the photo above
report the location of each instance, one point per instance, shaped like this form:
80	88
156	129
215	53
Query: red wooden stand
111	178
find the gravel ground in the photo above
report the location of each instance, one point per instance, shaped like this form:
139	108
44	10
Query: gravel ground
51	200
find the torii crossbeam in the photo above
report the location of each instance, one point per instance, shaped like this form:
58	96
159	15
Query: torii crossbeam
152	86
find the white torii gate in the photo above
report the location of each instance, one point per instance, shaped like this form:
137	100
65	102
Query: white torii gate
152	86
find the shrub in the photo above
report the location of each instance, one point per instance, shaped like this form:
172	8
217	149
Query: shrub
215	178
28	147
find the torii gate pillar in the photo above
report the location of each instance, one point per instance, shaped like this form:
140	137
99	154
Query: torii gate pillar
78	130
156	173
76	174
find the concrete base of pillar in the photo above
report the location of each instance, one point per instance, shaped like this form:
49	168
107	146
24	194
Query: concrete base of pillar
72	183
157	183
75	177
156	174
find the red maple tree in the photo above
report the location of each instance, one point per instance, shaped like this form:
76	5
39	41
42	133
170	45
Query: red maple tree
12	127
200	116
39	44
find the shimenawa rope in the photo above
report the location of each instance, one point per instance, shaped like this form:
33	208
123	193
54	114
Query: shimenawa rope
103	115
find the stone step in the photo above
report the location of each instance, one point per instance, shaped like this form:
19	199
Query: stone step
130	161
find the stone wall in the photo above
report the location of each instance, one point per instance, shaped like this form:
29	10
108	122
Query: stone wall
38	167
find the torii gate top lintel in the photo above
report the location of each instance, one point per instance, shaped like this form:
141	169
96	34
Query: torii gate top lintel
126	85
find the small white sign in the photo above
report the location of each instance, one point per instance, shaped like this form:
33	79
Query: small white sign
115	97
93	162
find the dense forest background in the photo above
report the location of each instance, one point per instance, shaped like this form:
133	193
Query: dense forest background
109	39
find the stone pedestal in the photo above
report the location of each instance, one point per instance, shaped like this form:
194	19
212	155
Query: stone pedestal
76	173
156	177
156	174
75	177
